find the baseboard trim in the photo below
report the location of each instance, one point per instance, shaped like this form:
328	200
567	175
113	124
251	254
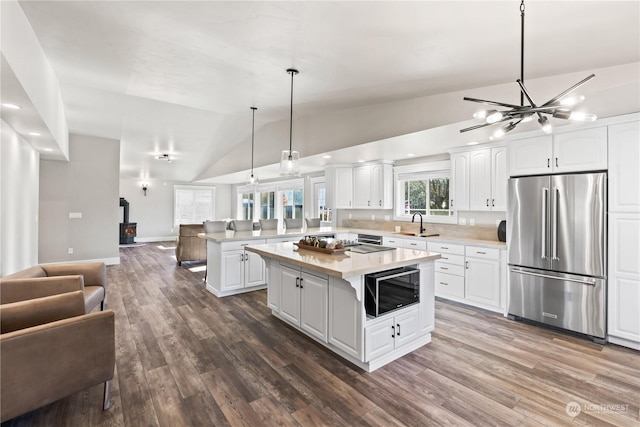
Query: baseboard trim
107	261
155	239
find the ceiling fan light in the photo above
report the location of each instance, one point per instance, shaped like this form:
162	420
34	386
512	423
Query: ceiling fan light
494	116
582	117
572	100
545	124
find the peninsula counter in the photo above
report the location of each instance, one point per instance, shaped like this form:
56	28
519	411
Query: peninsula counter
322	295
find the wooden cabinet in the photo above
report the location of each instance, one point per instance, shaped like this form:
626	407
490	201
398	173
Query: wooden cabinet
479	179
303	300
571	151
389	333
373	186
624	170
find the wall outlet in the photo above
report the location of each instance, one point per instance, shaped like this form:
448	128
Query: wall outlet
462	221
472	222
70	251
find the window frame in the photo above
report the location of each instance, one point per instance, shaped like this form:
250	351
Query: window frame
276	187
177	188
426	171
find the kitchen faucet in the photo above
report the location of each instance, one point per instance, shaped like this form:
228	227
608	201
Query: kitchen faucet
413	220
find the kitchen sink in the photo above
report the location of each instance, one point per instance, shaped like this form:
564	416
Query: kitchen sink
407	233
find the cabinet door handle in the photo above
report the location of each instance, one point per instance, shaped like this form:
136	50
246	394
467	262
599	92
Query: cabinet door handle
443	268
301	279
241	257
493	202
297	282
398	325
466	265
451	202
487	202
445	284
556	162
368	202
443	247
393	331
481	253
443	257
379	202
548	162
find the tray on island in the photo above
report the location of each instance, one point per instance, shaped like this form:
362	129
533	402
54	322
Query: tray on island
319	249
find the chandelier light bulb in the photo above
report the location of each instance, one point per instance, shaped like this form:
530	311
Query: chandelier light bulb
494	116
572	100
582	117
546	125
480	114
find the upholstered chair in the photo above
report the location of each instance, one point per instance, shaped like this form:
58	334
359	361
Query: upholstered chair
292	223
268	224
312	222
215	226
241	225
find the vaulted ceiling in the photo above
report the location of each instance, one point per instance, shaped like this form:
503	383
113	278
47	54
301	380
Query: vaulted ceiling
178	77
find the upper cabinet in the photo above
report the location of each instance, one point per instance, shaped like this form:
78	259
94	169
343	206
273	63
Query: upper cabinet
624	171
573	151
339	187
373	186
479	179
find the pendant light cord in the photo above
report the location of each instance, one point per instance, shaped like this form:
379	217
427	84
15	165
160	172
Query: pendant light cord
253	127
292	72
522	49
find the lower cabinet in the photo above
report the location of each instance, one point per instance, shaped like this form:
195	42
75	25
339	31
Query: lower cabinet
390	333
241	269
473	275
303	300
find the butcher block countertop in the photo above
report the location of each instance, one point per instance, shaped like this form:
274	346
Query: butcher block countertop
342	265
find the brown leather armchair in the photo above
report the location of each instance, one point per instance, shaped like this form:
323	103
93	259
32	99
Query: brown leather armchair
190	247
51	349
51	279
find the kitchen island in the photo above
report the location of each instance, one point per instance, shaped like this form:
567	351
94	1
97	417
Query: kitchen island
323	296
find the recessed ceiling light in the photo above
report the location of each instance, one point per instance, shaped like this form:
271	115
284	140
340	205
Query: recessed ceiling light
326	156
411	154
47	149
11	106
473	143
34	134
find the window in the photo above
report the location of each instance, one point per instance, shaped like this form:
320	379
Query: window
424	189
269	201
292	203
267	205
246	205
193	204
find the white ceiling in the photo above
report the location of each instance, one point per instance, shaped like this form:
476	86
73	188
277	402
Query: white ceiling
179	77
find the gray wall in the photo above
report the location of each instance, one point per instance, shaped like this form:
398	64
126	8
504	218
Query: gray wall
87	184
154	212
19	167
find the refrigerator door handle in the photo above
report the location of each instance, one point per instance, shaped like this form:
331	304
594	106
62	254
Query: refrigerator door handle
585	281
545	192
554	235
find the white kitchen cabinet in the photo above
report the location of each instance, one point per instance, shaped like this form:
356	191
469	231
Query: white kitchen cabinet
459	197
572	151
499	177
239	269
389	333
624	279
449	270
403	242
339	187
479	179
624	171
373	186
482	276
303	300
345	318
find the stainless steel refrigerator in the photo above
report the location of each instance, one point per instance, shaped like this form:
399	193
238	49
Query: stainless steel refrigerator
557	243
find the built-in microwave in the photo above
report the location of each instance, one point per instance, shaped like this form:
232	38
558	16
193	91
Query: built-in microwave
390	290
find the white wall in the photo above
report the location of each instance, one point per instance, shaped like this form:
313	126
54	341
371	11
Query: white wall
87	184
19	188
153	213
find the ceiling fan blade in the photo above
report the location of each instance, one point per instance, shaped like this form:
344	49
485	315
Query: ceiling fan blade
566	92
484	101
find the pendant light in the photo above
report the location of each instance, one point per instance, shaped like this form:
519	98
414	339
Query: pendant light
290	160
556	107
253	178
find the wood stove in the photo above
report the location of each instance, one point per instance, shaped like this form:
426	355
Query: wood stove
127	229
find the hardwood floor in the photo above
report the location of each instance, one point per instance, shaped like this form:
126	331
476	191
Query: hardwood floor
187	358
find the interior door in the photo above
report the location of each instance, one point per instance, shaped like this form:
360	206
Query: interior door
528	222
578	227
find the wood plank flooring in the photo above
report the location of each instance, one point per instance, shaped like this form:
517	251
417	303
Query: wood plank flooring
187	358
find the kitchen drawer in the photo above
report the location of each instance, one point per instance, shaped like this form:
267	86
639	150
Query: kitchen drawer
484	253
451	259
414	244
449	285
239	244
446	248
443	267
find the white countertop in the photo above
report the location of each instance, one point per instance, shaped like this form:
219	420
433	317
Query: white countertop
343	265
231	235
